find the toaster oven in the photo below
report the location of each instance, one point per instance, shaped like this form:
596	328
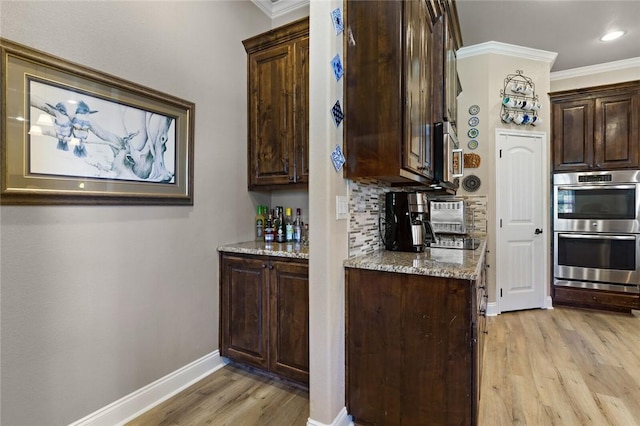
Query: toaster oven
448	216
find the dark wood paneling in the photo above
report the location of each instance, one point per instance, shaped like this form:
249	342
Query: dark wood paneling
412	349
373	88
374	347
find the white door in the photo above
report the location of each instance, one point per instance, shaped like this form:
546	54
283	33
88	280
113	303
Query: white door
521	255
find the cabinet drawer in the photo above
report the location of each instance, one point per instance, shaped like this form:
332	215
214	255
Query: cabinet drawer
596	299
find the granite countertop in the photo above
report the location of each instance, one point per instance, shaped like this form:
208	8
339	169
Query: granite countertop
437	262
290	250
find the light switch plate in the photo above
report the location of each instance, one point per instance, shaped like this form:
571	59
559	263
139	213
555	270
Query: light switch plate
342	207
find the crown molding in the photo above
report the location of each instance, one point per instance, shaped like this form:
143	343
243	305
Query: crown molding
596	69
499	48
276	8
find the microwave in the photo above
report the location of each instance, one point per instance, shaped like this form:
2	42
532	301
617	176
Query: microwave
448	157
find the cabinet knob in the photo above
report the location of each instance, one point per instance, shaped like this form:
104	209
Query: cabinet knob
264	265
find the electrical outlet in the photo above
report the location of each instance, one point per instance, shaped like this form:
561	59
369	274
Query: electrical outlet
342	207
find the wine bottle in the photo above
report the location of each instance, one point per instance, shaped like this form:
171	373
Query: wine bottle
260	224
268	229
288	225
297	227
279	225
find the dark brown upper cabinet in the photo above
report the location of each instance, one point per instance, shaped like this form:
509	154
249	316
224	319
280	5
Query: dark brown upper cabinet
278	107
447	42
401	77
596	128
388	67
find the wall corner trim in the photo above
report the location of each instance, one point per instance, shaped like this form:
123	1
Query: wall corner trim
499	48
131	406
342	419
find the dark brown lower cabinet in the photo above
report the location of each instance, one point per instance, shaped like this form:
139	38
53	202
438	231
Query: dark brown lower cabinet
264	313
413	348
596	299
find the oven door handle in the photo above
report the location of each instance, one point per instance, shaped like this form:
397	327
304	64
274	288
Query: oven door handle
599	236
592	187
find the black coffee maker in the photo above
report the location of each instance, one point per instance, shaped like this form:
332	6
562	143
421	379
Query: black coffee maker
406	225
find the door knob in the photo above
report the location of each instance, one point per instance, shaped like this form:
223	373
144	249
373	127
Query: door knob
538	231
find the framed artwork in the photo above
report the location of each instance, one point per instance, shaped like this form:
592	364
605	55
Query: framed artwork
74	135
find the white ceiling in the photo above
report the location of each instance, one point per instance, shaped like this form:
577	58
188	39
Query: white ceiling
571	28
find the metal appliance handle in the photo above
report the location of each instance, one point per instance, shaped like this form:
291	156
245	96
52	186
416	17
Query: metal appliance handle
592	187
460	171
598	237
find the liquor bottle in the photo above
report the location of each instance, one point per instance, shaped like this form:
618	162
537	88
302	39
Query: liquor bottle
297	227
288	225
268	229
260	224
305	235
279	225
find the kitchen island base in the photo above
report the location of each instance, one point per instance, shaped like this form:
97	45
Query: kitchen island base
414	348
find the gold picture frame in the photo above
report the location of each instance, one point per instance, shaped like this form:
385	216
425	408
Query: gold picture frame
74	135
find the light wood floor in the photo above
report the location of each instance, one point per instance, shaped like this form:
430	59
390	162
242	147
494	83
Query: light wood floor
542	367
232	396
562	367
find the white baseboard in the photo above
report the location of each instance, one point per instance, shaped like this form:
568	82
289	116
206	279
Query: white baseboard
492	309
342	419
548	303
131	406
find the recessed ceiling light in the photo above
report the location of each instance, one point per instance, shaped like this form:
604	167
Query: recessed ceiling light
612	35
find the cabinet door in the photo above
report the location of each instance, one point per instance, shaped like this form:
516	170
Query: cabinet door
451	75
301	123
414	133
418	36
270	116
573	135
616	131
244	310
374	347
426	109
289	336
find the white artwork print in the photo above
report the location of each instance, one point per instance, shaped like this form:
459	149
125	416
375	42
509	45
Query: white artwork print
75	134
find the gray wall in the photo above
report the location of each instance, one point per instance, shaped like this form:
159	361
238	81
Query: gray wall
96	301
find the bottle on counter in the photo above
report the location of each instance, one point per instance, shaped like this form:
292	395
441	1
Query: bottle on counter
260	224
269	235
279	225
288	225
297	227
305	235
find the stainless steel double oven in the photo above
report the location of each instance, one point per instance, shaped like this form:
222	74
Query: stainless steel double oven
597	230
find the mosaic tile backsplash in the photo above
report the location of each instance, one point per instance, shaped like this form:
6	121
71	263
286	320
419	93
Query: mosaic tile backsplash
366	203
